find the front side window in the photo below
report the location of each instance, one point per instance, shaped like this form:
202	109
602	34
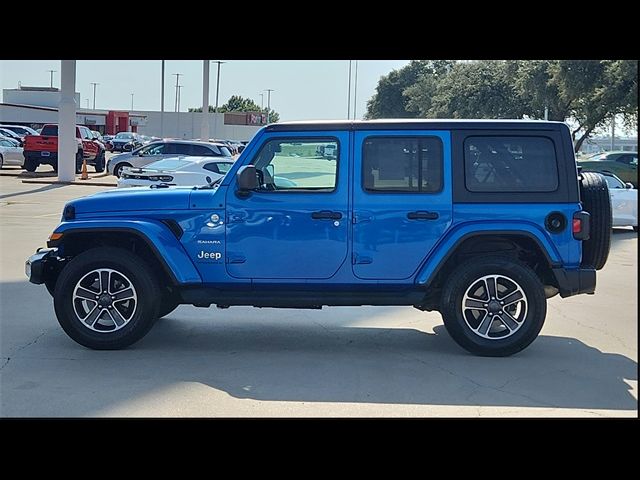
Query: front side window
402	164
218	167
157	149
294	164
510	164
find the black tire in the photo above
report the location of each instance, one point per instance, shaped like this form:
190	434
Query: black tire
594	194
168	303
117	170
79	160
465	277
136	271
99	162
30	164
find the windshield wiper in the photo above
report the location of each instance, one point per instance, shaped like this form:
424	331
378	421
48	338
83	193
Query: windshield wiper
210	184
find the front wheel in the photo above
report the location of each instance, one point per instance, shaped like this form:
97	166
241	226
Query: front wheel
494	306
106	298
117	170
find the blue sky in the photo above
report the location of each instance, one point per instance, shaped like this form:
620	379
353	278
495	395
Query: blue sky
303	90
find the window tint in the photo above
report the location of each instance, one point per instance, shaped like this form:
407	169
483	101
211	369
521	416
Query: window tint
180	148
510	164
613	182
50	130
628	159
201	150
296	164
4	143
402	164
157	149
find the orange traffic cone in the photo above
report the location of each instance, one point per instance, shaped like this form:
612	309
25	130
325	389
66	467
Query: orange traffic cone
85	174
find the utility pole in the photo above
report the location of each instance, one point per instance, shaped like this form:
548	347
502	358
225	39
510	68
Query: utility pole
175	104
162	102
349	94
218	83
51	72
613	133
132	102
179	90
355	92
94	93
269	90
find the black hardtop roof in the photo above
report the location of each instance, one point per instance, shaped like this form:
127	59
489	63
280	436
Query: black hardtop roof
415	124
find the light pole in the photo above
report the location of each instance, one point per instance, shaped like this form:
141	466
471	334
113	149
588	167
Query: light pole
132	102
179	90
218	83
94	93
178	87
51	72
162	101
355	92
349	94
175	104
269	90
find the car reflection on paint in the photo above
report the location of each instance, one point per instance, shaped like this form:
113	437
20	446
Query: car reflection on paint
181	171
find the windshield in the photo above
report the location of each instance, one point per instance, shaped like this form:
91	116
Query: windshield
125	135
168	164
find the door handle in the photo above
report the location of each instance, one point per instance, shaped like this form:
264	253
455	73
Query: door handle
326	215
422	215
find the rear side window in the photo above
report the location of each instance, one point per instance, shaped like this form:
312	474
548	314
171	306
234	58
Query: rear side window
402	164
510	164
201	150
181	148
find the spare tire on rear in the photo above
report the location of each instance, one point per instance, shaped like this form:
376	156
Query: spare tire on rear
594	195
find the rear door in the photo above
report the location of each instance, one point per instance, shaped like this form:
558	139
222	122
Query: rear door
401	200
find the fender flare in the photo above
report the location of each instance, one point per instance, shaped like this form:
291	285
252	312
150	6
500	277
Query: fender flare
448	245
160	240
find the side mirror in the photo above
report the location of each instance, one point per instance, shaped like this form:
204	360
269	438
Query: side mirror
629	185
247	180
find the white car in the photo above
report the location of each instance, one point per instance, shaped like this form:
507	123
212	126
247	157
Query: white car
11	152
624	202
181	171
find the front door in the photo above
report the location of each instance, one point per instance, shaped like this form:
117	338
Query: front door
401	200
296	224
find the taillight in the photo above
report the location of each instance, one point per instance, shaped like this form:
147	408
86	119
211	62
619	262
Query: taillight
580	225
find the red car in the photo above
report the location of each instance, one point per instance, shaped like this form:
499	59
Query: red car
43	149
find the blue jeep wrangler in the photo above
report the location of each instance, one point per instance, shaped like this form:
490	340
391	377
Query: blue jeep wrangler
479	220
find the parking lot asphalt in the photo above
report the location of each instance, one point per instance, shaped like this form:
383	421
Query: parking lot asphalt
339	361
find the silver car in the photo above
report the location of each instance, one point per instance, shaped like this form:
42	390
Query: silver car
163	149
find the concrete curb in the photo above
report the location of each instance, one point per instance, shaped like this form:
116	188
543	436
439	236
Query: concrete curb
75	182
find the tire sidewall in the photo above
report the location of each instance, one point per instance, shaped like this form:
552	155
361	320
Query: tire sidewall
463	279
132	268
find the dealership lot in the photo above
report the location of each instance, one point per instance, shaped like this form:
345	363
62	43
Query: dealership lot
340	361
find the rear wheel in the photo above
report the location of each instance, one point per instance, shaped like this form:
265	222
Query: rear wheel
494	306
106	298
594	194
30	164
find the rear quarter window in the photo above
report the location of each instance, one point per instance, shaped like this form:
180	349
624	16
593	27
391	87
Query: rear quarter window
510	164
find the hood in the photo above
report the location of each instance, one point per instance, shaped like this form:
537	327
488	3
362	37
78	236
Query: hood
132	199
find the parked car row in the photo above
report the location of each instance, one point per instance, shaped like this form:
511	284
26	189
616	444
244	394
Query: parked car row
163	149
623	164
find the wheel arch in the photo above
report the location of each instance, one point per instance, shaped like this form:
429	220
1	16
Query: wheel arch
523	244
156	244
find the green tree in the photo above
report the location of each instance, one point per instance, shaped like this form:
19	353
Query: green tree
389	100
584	93
240	104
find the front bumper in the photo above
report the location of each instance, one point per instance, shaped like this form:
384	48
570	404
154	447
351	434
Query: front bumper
41	264
575	281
